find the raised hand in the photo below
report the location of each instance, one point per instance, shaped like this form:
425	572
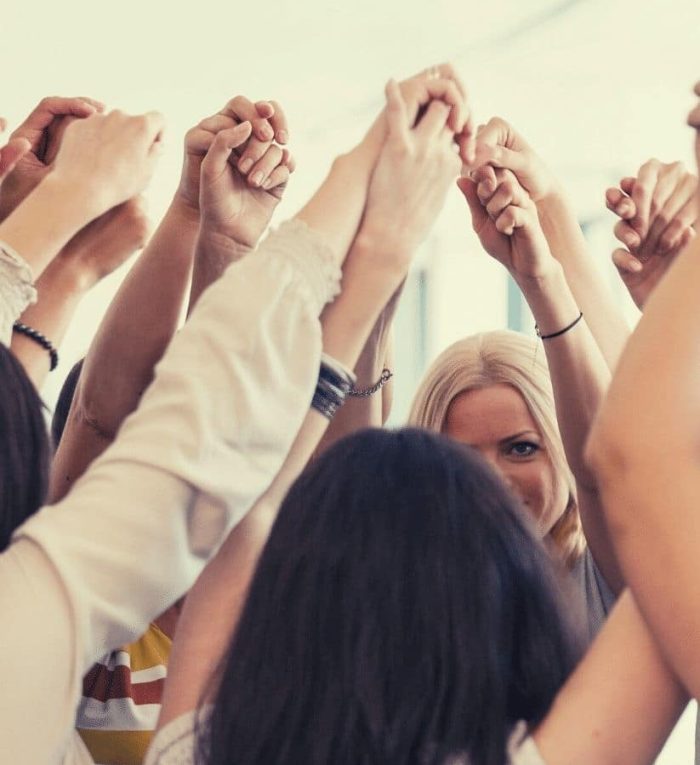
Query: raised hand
499	145
30	147
443	83
108	159
415	168
244	193
504	217
657	210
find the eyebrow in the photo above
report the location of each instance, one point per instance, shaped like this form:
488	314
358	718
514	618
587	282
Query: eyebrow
522	433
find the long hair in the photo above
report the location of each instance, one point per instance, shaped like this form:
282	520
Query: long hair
64	402
25	452
402	613
513	359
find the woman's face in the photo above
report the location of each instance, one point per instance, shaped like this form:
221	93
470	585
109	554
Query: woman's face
496	422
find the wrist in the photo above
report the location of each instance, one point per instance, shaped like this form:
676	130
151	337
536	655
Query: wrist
67	275
212	241
182	209
548	279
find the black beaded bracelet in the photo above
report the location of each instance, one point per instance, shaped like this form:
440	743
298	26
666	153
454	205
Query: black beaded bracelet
37	337
561	331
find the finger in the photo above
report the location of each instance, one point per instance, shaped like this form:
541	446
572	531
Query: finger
627	184
642	194
265	165
45	112
241	109
675	234
447	91
11	154
625	262
448	71
289	161
218	122
277	179
265	109
479	215
486	186
278	122
3	124
223	144
54	135
509	193
619	203
511	219
433	121
683	191
466	141
500	156
254	151
155	130
396	113
627	235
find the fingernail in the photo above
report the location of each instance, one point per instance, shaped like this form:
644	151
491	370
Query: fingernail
267	133
282	136
245	165
636	266
257	178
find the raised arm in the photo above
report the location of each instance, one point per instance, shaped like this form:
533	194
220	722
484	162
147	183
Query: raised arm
85	184
146	311
500	146
506	221
657	211
621	702
414	166
93	253
645	451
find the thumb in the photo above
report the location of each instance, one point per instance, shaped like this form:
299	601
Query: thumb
478	211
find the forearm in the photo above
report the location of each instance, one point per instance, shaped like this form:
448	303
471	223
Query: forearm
59	290
644	448
210	262
45	221
568	245
139	324
577	369
336	208
620	704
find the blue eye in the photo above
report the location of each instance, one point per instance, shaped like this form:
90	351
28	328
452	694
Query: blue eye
523	449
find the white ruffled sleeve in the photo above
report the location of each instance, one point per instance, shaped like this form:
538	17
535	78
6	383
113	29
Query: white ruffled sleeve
16	290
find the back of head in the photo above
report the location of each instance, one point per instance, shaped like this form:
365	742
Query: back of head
24	447
401	612
510	358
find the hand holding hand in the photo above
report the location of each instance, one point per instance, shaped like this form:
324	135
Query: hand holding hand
657	210
441	83
108	159
504	218
31	148
237	204
268	123
500	146
410	181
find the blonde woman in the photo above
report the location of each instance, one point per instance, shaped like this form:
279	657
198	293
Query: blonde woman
526	404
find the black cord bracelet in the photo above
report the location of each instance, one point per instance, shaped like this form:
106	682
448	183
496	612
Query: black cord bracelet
561	331
37	337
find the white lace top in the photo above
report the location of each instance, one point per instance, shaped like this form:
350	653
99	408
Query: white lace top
16	290
174	743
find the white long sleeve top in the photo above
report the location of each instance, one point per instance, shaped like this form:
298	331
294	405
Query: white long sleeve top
90	573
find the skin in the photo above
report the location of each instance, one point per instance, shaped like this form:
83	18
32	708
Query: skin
497	423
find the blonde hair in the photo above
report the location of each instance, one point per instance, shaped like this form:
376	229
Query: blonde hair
509	358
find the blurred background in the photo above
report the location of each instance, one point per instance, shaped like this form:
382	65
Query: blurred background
596	86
